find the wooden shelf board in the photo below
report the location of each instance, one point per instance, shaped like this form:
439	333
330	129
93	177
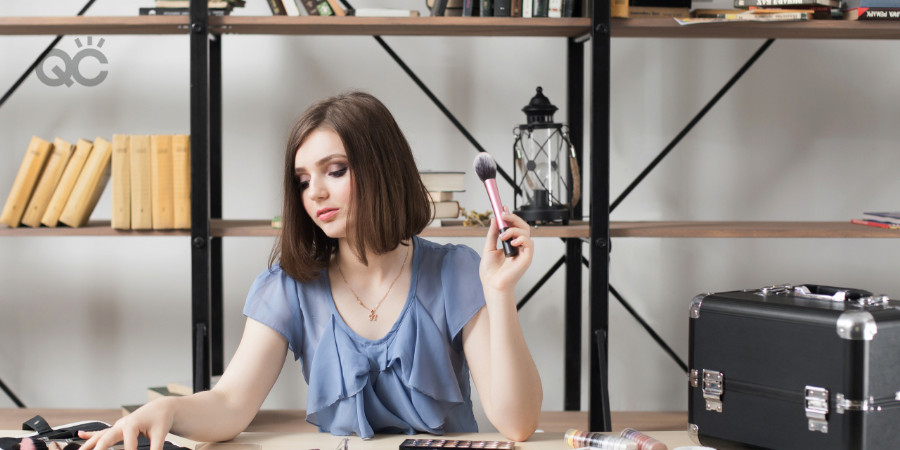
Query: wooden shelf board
41	25
448	26
749	230
813	29
670	229
264	228
401	26
93	228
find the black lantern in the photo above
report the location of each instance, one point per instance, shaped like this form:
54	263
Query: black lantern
544	158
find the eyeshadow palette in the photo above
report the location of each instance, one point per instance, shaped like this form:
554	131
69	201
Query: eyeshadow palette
428	444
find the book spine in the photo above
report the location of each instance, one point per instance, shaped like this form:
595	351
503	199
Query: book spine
527	8
779	3
67	182
541	8
90	185
141	183
438	8
336	7
161	175
310	7
515	8
501	8
873	13
40	199
181	181
25	181
121	183
277	8
555	9
486	8
875	223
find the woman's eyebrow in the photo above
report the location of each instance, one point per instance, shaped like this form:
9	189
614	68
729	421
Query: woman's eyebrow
324	161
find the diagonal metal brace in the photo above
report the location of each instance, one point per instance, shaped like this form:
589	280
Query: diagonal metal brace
459	126
691	124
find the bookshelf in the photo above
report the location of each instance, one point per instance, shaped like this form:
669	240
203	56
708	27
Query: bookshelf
209	227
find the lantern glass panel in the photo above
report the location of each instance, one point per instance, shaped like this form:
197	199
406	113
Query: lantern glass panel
542	158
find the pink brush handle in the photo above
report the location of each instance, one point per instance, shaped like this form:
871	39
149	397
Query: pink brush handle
494	195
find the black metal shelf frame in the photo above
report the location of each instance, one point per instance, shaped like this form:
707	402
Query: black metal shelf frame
206	204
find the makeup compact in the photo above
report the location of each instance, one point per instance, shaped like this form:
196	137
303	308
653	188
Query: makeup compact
427	444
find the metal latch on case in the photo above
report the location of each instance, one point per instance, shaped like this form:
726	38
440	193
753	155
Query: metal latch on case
713	385
816	406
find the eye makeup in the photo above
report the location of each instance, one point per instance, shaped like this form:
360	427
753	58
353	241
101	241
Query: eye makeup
429	444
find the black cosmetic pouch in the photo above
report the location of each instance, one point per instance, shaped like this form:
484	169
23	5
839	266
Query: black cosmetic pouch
67	435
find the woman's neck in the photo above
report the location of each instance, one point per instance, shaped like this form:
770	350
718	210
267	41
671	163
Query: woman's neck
379	268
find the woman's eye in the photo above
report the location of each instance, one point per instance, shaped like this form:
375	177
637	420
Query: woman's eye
302	184
339	172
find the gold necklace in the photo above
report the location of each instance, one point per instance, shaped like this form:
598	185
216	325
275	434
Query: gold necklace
372	316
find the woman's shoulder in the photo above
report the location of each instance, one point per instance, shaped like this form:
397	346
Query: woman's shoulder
275	278
446	250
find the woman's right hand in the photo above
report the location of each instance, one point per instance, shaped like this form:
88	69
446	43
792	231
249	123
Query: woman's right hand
153	420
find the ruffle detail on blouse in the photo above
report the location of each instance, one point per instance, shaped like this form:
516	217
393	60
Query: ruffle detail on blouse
402	383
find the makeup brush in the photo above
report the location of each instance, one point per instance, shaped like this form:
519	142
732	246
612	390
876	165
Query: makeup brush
486	169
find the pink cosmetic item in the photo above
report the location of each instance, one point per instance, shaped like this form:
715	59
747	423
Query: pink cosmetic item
486	169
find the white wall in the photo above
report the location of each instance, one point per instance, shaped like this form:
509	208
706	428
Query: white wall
809	134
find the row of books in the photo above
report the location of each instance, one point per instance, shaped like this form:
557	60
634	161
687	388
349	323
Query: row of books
58	183
769	10
495	8
182	7
151	182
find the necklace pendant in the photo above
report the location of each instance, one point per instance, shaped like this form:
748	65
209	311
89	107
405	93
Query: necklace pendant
372	316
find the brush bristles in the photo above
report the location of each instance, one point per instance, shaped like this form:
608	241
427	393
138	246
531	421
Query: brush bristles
485	167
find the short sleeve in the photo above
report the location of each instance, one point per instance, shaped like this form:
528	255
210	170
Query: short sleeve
463	293
273	300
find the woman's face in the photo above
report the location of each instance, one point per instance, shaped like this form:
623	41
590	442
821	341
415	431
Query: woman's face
322	171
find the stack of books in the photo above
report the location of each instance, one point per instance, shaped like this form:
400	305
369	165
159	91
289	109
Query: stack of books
871	10
310	7
441	186
880	219
58	183
151	182
182	7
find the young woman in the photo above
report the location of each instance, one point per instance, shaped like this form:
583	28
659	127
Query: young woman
388	326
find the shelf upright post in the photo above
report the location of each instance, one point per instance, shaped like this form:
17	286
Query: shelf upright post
217	318
575	117
201	265
598	407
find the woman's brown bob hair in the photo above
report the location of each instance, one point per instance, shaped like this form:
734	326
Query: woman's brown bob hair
391	204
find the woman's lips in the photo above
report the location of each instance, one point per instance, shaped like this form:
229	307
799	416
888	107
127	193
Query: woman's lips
326	214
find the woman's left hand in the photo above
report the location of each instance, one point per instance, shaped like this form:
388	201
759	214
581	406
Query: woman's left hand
498	271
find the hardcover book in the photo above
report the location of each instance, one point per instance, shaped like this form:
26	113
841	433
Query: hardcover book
443	180
25	181
181	181
67	182
141	183
89	186
780	3
161	184
40	199
121	183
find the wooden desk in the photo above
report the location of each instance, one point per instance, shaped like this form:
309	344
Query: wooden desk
288	429
294	420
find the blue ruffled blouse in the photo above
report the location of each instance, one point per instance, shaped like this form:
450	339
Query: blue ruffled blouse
412	380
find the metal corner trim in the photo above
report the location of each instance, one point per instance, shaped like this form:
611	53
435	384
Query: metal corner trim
695	305
856	325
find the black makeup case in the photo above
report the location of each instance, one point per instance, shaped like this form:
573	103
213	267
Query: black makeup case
795	367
